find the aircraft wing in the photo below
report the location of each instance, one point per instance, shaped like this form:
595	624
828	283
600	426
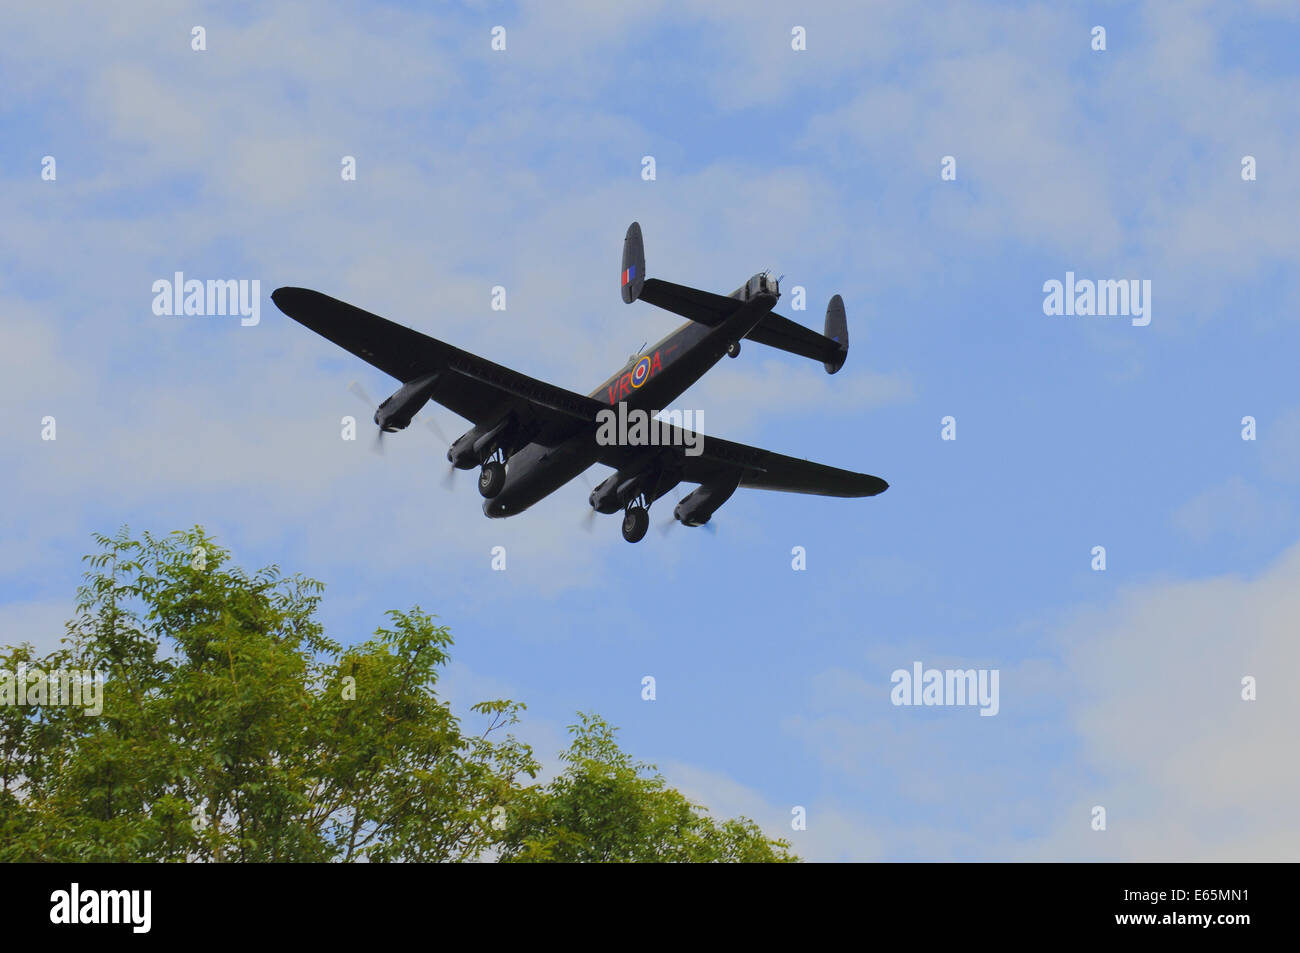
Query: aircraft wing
765	470
476	389
722	461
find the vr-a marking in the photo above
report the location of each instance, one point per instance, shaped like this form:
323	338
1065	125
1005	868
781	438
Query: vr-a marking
529	437
642	371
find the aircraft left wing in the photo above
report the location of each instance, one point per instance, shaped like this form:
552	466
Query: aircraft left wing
476	389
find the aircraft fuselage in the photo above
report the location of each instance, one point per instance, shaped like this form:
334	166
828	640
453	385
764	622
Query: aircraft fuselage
651	382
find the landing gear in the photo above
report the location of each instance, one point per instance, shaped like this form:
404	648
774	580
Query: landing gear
491	479
733	349
635	523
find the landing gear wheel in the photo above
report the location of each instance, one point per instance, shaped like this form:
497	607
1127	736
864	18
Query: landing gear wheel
733	349
635	523
491	479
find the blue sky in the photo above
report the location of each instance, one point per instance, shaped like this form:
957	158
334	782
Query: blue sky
522	168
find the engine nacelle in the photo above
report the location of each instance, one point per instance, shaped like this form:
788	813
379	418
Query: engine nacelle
474	446
617	491
461	453
700	504
397	411
605	498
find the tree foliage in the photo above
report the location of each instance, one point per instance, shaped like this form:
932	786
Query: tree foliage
607	807
233	729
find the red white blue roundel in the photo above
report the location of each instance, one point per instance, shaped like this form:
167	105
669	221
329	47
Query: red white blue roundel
641	372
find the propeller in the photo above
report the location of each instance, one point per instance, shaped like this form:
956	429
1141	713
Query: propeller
356	388
665	525
378	445
710	527
448	481
436	430
588	522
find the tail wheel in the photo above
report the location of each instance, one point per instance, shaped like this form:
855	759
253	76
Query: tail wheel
491	479
733	349
635	523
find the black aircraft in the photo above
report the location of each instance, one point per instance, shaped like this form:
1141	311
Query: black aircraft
529	438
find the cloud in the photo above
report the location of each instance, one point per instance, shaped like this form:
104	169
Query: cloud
1233	508
523	170
1186	769
1147	690
831	835
1279	444
43	623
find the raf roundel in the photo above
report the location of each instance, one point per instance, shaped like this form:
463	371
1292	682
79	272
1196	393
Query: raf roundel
641	372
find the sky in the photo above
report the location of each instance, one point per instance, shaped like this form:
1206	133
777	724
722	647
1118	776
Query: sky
1119	689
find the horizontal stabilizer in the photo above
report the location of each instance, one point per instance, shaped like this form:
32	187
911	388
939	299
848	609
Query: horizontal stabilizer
704	307
831	348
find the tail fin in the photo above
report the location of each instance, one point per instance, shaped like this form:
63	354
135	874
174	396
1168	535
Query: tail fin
633	275
837	329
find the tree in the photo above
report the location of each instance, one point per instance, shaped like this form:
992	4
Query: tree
606	807
233	729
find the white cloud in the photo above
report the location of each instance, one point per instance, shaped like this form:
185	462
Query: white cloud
42	623
831	834
1186	769
1279	444
1148	689
1233	508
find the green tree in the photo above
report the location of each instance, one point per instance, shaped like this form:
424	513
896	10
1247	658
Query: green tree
606	807
233	729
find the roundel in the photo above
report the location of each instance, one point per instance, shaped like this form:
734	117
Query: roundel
641	372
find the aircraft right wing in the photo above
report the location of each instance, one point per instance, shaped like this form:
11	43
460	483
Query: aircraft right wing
724	461
765	470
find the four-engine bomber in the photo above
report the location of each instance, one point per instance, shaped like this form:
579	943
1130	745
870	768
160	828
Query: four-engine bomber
529	438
